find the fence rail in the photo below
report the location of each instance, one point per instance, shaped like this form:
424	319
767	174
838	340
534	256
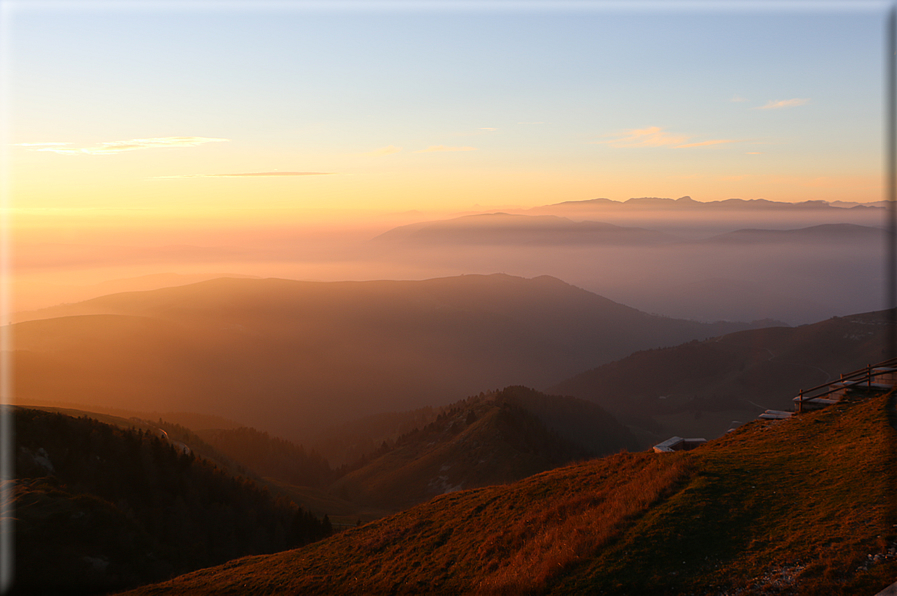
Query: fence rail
854	379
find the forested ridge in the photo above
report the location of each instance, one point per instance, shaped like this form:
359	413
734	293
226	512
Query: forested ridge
483	440
270	456
100	508
776	507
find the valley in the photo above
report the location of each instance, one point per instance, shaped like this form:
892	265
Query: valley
468	297
385	411
311	355
799	505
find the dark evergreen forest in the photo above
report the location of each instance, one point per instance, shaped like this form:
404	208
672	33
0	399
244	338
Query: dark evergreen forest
102	508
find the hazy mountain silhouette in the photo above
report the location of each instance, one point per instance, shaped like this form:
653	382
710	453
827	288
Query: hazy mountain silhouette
31	295
699	219
729	265
688	204
503	229
289	357
829	233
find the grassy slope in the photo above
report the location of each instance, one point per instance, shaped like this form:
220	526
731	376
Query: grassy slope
800	502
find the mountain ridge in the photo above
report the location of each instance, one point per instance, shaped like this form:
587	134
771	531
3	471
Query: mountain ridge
704	385
796	504
317	351
483	440
513	229
687	202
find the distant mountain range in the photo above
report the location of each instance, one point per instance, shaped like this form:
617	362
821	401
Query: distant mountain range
700	219
792	273
687	203
506	230
502	229
292	357
851	234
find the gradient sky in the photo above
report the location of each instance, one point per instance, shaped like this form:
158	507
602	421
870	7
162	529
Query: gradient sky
210	111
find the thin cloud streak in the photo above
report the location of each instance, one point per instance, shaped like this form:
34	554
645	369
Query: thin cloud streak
388	150
251	175
706	143
443	148
783	103
111	147
40	144
654	136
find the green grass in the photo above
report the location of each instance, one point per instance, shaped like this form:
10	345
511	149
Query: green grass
790	506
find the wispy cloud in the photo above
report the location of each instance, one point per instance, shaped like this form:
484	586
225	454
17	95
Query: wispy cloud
782	103
737	98
441	148
753	153
250	175
111	147
483	130
654	136
388	150
41	144
705	143
852	182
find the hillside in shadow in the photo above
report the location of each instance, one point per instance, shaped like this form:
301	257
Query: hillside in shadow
293	357
796	506
703	388
481	441
100	508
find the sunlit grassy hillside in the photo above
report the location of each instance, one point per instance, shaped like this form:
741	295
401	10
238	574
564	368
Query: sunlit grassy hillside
802	504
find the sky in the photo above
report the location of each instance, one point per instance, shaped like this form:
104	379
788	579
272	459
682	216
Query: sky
159	121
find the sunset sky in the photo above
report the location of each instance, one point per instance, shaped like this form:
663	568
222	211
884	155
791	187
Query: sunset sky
384	107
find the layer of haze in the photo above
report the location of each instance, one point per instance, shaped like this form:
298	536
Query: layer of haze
150	145
814	262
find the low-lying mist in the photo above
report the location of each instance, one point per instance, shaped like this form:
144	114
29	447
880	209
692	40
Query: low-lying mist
679	259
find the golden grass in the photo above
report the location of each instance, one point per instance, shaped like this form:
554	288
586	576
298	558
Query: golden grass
799	504
547	542
811	495
501	539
